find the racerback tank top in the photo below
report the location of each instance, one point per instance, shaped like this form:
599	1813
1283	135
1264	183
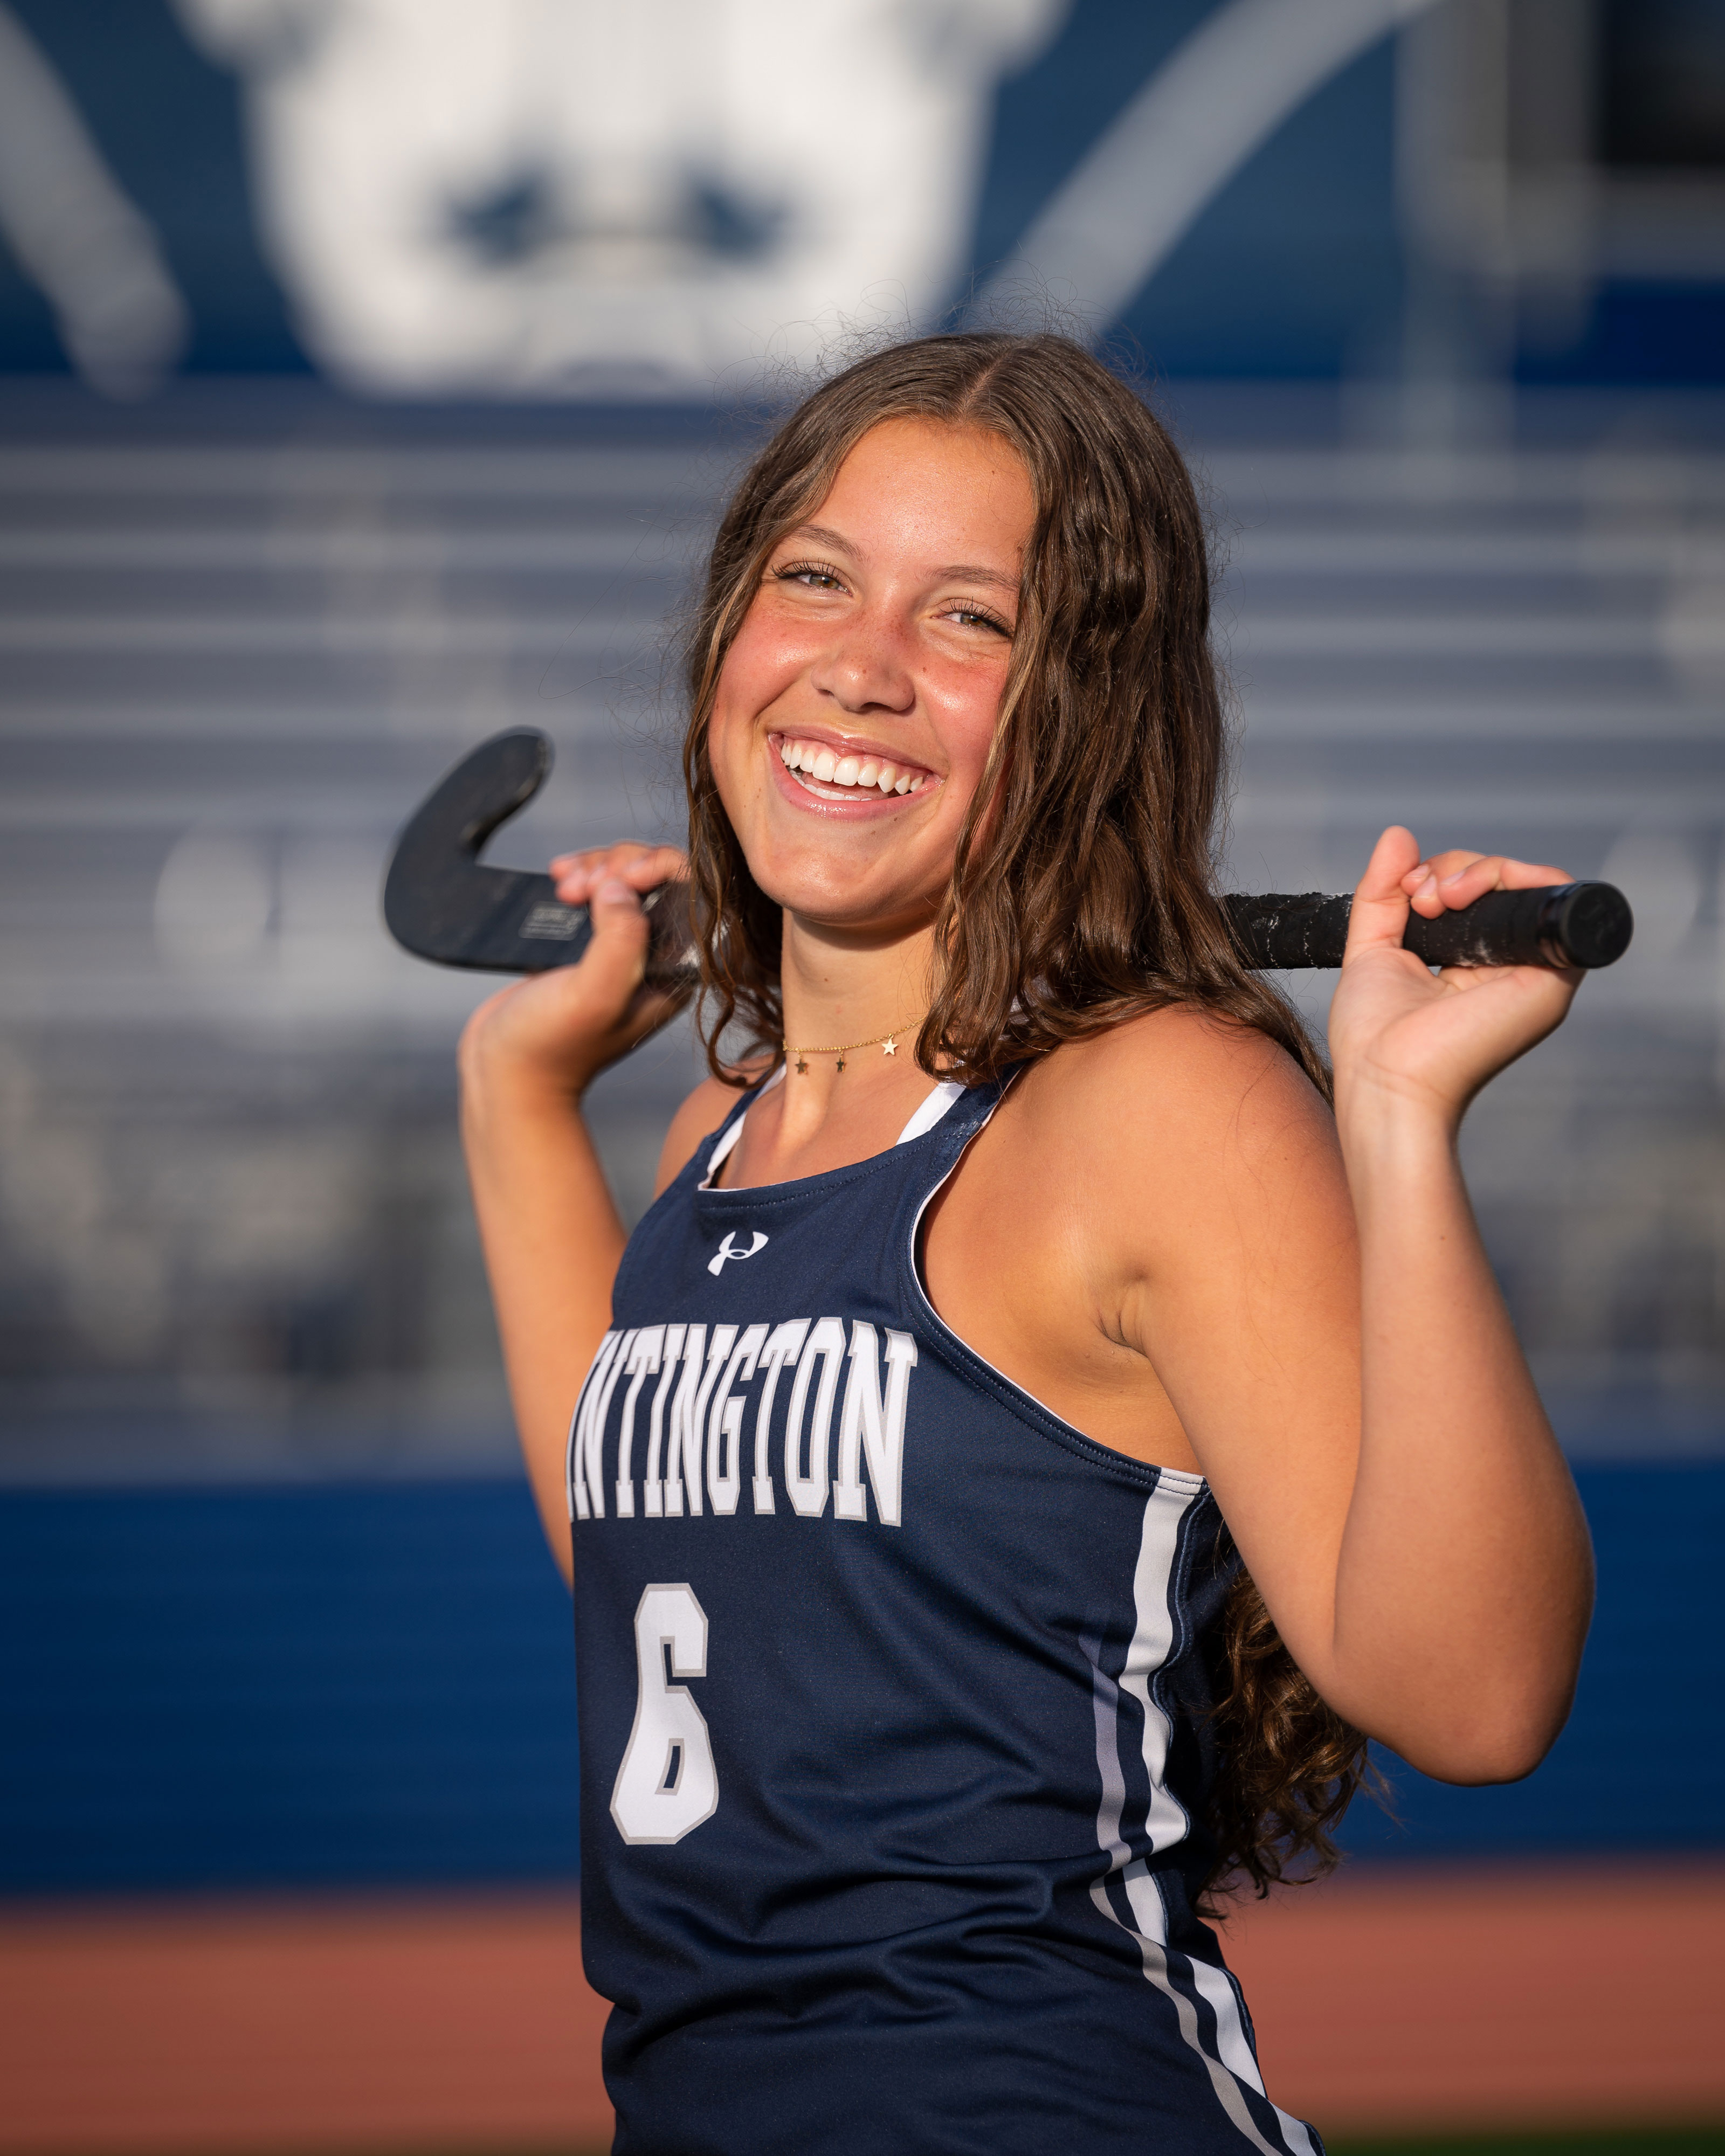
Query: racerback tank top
893	1705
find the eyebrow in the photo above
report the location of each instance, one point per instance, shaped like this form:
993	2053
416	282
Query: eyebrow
965	572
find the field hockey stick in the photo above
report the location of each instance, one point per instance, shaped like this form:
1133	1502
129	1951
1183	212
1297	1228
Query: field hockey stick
441	902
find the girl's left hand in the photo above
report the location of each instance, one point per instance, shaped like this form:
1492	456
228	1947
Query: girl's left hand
1400	1033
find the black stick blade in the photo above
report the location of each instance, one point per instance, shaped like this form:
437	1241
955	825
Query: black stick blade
442	903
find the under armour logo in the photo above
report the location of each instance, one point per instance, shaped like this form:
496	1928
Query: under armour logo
727	1249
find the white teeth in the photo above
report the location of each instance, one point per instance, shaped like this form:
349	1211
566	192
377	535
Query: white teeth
828	768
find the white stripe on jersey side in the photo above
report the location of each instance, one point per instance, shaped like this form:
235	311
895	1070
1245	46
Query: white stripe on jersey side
1165	1821
1233	2067
574	1489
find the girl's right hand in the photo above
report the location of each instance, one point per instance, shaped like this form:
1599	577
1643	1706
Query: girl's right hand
567	1025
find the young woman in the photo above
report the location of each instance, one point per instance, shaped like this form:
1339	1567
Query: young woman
1027	1353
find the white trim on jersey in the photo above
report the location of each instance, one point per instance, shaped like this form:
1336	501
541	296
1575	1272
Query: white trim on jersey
1166	1822
1233	2068
928	1113
944	1096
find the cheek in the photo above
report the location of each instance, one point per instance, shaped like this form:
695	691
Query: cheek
745	684
968	706
764	660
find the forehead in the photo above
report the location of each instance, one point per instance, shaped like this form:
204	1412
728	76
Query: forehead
942	493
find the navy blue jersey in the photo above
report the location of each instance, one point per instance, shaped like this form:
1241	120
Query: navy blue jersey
892	1692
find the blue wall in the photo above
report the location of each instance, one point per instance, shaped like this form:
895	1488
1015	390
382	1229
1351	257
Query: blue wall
169	124
1293	272
282	1687
271	1687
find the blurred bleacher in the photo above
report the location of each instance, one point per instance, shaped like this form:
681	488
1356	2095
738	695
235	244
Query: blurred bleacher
244	631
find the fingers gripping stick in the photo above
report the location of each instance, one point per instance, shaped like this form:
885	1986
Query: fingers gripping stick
441	903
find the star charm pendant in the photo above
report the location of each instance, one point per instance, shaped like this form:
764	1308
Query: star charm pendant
841	1062
801	1065
889	1046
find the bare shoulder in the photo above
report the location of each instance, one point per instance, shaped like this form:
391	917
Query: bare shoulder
1147	1209
1214	1117
706	1108
1183	1074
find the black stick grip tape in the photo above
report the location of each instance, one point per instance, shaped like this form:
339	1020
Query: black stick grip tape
1585	925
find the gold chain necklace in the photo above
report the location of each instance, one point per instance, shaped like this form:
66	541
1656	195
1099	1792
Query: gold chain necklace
887	1043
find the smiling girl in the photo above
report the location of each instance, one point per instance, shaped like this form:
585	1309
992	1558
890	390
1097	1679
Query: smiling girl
1032	1439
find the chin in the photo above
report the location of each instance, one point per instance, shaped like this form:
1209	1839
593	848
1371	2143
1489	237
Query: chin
827	896
817	899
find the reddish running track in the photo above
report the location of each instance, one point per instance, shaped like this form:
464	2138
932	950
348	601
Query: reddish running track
1571	1995
1392	2000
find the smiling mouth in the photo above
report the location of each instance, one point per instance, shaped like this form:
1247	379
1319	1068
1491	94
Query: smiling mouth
832	774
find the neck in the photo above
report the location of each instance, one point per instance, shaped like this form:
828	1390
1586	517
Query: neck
838	990
841	989
830	985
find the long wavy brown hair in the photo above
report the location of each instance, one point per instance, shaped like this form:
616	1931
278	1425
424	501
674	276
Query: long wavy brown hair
1084	886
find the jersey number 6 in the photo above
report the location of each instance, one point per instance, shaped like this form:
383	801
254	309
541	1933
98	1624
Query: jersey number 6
667	1783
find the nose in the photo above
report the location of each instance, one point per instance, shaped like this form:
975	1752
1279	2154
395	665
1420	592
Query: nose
867	669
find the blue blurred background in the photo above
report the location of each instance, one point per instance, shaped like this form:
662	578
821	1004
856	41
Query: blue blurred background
370	371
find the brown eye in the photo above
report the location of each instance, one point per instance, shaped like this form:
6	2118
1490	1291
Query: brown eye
813	576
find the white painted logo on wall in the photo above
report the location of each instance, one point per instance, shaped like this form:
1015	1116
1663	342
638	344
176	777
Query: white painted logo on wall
538	196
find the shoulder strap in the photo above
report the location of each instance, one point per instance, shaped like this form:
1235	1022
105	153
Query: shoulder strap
956	1113
939	1103
724	1140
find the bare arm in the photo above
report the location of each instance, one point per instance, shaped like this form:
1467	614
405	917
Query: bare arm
1328	1329
548	1224
1465	1522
